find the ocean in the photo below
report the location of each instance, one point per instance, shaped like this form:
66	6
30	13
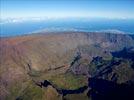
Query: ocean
85	25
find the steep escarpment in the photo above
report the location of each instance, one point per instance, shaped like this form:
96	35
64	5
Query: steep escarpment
65	59
109	79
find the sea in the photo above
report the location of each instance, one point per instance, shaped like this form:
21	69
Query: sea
17	28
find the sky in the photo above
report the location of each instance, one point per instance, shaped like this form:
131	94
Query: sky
67	8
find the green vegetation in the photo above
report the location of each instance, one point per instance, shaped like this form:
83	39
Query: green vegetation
31	92
47	53
34	73
68	81
77	97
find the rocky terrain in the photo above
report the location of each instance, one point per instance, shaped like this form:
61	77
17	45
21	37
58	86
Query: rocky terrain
67	60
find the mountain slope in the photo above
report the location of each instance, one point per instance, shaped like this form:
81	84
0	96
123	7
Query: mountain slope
32	58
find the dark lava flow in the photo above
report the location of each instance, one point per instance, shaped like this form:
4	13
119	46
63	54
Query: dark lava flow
99	89
63	92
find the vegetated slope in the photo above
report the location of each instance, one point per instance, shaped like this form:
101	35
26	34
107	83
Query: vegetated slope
28	59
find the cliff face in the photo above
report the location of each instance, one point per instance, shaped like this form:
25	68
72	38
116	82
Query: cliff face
37	57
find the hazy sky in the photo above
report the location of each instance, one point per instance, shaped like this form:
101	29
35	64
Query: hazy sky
67	8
